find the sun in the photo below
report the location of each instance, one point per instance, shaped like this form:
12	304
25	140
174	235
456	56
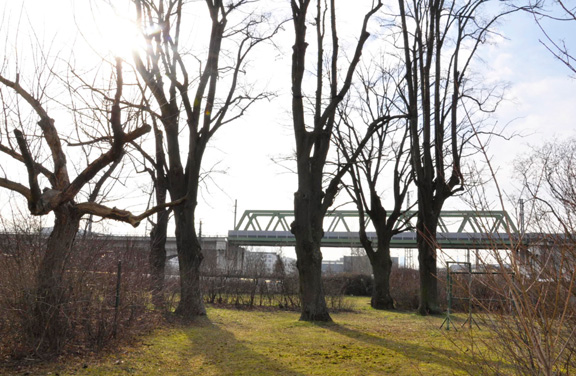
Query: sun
117	32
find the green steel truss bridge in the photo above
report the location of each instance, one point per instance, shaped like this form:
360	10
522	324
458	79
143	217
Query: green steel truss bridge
456	229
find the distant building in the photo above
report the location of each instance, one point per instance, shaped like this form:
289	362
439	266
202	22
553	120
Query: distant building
332	266
351	264
356	264
219	256
259	263
289	265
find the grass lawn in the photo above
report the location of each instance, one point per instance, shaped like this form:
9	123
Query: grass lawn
240	342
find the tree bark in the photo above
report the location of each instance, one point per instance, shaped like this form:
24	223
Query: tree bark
380	260
51	326
426	240
381	267
157	258
158	235
308	225
380	257
189	258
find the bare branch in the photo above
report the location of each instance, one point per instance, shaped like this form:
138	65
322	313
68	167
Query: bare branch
32	173
16	187
123	215
98	164
37	166
49	131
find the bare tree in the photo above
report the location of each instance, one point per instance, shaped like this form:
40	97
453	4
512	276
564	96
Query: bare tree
39	148
560	11
198	116
548	184
386	154
312	199
439	41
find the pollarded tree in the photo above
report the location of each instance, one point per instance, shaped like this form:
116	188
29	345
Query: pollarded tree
40	149
313	130
195	95
438	41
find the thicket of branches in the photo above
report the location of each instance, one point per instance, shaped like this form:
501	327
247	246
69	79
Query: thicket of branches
418	112
104	302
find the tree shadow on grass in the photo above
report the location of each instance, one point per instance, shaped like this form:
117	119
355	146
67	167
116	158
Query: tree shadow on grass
417	353
223	351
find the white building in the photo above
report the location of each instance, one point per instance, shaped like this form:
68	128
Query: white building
261	263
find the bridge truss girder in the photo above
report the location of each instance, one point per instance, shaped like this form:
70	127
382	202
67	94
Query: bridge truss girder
456	229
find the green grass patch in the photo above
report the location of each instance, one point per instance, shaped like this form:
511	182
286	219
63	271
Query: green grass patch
242	342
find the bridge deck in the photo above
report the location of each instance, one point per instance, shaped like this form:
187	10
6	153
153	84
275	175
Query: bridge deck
446	240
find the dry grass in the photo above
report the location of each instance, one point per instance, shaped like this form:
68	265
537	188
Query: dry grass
240	342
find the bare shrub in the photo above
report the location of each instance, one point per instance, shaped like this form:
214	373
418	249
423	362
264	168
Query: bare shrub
531	313
349	284
277	290
21	249
288	297
249	292
281	290
404	286
94	313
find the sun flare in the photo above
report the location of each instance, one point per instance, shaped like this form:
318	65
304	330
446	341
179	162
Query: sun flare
117	33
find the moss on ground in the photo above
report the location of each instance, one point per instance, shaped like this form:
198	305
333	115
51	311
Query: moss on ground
240	342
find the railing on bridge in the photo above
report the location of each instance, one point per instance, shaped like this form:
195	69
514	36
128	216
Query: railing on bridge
456	229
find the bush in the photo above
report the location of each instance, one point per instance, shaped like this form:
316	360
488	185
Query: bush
348	284
279	290
93	316
404	287
230	288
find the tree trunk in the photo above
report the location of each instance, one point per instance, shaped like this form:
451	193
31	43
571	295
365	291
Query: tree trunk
311	287
51	327
157	258
189	258
158	235
426	239
307	227
381	267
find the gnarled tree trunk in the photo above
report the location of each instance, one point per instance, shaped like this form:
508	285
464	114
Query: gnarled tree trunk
50	323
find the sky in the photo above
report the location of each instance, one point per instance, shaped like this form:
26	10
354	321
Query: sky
540	104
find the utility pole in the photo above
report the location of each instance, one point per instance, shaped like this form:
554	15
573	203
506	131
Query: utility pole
235	212
521	217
